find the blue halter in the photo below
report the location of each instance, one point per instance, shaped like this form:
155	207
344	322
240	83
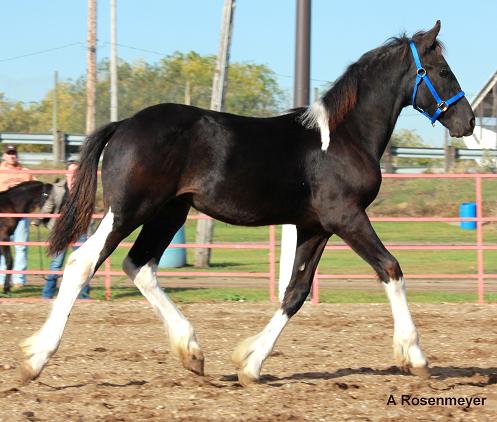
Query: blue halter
421	75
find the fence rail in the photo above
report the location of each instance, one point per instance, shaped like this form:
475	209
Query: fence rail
271	245
77	140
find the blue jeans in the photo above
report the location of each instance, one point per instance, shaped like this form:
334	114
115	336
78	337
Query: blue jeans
56	263
21	234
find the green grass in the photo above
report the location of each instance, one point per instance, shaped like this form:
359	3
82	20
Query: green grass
430	197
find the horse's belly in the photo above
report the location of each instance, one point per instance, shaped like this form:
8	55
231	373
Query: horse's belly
232	210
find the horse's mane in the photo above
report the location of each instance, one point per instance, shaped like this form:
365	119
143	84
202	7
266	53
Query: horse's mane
340	99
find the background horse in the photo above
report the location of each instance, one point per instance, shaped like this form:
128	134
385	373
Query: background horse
316	168
22	198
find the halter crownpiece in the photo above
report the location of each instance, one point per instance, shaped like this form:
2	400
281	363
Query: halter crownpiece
421	75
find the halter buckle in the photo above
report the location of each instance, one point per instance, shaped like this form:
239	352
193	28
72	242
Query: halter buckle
421	72
442	106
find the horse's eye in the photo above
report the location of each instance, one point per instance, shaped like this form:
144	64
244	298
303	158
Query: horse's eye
444	72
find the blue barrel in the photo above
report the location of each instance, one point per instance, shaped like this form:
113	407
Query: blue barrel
174	257
467	209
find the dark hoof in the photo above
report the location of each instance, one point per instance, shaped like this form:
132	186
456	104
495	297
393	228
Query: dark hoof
422	372
195	364
246	380
27	373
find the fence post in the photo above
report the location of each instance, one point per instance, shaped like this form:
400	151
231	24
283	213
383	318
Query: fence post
479	240
450	158
388	159
59	147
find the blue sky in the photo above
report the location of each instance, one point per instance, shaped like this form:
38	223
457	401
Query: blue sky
263	33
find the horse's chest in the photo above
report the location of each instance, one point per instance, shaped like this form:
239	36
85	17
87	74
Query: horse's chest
351	183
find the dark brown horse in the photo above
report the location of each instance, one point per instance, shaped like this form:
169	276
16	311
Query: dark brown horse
22	198
316	168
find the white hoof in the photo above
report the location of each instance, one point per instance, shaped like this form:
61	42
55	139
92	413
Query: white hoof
186	347
409	356
36	357
247	361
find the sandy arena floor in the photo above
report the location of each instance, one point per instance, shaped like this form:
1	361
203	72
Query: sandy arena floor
333	362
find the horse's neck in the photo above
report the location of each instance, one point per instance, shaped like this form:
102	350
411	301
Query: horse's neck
375	115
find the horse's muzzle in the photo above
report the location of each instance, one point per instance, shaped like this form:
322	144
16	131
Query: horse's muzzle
460	130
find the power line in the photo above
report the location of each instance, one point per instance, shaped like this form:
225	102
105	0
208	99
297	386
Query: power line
41	52
136	48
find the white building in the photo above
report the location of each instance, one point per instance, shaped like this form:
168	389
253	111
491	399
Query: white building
485	108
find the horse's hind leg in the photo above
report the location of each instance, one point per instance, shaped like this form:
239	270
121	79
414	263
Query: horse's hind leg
79	270
249	355
141	267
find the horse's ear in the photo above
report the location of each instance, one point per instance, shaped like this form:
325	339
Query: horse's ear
429	38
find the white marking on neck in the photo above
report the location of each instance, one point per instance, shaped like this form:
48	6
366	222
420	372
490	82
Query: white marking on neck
316	117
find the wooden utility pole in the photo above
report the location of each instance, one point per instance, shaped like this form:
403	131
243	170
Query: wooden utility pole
55	140
205	228
113	63
58	142
91	70
301	91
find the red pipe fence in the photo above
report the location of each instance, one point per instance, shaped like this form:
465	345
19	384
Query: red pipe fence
270	246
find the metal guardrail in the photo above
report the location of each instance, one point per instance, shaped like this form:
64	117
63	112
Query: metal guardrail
77	140
39	139
29	158
461	153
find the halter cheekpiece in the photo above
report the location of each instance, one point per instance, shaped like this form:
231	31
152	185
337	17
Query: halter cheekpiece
421	75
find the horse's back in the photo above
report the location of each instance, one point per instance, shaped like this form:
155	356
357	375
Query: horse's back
212	159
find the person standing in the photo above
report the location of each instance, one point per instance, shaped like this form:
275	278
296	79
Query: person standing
15	176
61	190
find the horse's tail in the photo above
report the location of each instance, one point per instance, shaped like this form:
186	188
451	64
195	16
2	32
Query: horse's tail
77	211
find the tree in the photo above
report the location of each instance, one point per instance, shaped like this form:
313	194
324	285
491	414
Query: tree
14	115
252	90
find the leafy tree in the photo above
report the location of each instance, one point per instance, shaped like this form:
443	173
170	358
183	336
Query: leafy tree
13	115
252	90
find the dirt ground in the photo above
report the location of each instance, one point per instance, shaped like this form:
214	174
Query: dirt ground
333	362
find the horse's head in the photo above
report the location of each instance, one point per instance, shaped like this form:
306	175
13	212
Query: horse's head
443	100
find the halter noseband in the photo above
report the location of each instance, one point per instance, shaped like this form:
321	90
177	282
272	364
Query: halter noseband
421	75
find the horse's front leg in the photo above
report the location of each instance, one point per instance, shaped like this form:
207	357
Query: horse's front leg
249	355
356	230
7	254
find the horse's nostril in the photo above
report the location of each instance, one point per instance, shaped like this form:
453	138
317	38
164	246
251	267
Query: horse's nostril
472	123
